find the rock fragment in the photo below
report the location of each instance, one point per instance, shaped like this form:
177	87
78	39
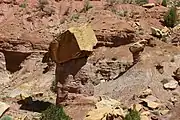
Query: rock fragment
136	50
149	5
173	100
146	113
160	32
156	32
177	74
152	102
164	112
145	93
106	108
143	117
172	84
160	67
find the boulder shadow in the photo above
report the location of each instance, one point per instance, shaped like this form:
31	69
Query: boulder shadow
34	106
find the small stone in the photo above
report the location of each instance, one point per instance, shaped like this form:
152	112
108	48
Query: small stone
3	108
156	32
38	94
177	74
160	69
173	99
165	31
146	113
173	84
151	104
145	93
143	117
164	112
156	112
149	5
152	98
48	10
154	117
176	28
102	81
23	96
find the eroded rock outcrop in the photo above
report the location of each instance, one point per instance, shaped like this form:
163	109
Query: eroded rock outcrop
136	50
76	41
70	51
75	72
113	32
4	75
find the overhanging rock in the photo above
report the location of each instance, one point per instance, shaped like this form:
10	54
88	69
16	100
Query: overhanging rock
73	43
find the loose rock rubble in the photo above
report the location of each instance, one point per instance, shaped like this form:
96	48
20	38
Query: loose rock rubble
160	33
172	84
106	108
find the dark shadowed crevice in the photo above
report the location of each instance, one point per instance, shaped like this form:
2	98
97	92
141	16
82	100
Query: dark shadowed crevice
14	60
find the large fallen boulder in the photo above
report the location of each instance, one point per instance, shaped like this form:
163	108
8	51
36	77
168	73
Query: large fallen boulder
74	43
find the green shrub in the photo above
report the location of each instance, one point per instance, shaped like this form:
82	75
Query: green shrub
24	4
87	6
141	2
112	2
164	3
75	17
53	87
6	118
42	3
170	18
54	113
132	115
128	1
